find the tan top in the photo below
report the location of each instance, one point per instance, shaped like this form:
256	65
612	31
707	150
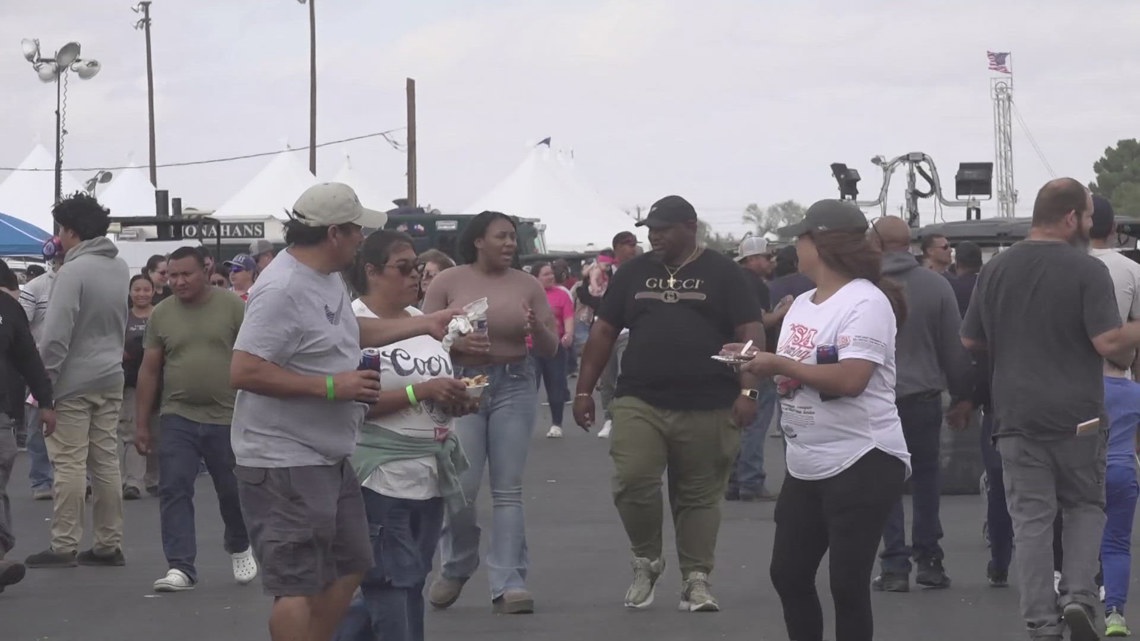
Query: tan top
508	294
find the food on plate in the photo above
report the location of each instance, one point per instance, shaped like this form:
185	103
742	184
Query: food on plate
475	381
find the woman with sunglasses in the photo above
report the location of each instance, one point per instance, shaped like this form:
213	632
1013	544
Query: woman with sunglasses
155	270
407	458
847	459
498	435
243	272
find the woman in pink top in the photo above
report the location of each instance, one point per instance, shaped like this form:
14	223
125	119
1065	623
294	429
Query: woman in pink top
553	370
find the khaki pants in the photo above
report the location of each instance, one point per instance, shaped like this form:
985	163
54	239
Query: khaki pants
138	471
86	442
695	451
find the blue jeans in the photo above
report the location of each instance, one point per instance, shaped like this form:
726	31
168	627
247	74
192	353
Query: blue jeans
40	473
921	416
183	445
498	437
390	605
998	524
748	473
1121	491
552	372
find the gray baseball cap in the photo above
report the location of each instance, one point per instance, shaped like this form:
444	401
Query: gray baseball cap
752	246
327	204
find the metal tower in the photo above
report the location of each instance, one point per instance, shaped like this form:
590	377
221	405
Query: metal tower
1002	92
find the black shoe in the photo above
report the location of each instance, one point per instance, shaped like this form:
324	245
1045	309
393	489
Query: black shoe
762	496
131	493
11	573
152	490
732	494
931	575
891	583
1081	623
51	559
997	578
107	559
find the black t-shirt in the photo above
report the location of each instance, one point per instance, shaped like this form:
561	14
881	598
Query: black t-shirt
133	349
760	287
676	327
1037	306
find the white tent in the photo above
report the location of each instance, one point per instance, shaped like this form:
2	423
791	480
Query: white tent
130	193
30	195
272	192
546	186
366	188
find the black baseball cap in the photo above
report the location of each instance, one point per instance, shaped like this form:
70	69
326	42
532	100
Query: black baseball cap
1102	217
827	215
968	254
669	211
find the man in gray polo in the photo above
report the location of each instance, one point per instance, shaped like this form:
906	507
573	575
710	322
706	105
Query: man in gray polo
299	404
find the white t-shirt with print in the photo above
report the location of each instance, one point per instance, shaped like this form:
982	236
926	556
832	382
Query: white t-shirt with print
408	362
825	437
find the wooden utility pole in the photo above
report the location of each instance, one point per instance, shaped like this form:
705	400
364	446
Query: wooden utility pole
150	91
313	87
412	201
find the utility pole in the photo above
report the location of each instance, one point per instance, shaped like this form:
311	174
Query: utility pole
312	86
144	24
411	87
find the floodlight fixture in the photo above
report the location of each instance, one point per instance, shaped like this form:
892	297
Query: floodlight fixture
67	54
974	180
86	69
47	71
31	49
848	180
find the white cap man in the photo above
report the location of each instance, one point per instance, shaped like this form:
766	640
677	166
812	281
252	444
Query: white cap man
753	255
262	252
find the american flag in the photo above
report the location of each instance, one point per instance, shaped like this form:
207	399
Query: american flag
999	61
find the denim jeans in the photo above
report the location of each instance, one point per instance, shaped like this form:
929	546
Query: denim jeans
40	473
185	443
495	437
390	605
552	372
1121	491
748	472
921	417
998	524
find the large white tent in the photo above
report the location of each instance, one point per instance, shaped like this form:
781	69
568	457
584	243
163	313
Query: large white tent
548	187
130	193
29	195
272	192
366	188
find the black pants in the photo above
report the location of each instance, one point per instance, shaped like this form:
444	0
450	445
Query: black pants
844	514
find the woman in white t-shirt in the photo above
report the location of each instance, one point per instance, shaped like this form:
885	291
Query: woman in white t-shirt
402	451
847	459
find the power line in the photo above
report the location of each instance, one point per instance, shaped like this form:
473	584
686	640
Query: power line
386	135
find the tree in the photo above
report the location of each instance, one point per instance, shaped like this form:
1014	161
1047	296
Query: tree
1118	177
774	217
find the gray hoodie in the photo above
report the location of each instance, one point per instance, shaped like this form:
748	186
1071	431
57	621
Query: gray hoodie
928	352
86	322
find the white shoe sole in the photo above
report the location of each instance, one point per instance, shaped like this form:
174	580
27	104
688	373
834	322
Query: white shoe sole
644	604
710	606
171	587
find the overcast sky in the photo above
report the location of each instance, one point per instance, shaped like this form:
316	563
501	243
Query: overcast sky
725	102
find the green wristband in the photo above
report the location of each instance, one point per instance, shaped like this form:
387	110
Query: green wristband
411	396
330	388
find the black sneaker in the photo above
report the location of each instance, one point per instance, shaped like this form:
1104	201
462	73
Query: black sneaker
732	494
891	583
11	573
997	578
931	575
51	559
131	493
106	559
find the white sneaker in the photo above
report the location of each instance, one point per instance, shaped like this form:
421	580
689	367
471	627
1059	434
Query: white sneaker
245	566
555	432
174	581
605	433
1057	582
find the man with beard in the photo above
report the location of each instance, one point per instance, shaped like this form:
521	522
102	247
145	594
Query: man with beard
1045	311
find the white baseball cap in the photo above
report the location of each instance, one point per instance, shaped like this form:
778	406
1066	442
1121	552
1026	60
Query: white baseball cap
327	204
752	246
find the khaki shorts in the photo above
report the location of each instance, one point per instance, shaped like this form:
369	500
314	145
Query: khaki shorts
306	525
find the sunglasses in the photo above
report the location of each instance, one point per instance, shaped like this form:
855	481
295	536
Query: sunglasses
406	269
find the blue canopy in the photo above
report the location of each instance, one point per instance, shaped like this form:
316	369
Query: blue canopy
18	238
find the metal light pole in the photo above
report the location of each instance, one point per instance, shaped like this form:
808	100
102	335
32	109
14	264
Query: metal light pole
312	85
55	70
144	24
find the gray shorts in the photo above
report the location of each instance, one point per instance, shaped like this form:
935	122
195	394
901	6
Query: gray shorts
306	524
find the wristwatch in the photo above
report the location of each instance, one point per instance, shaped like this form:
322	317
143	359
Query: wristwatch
751	393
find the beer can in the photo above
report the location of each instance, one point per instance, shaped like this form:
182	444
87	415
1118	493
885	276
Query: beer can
826	355
369	359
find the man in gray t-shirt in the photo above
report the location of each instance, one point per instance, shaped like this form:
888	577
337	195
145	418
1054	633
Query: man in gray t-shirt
1046	313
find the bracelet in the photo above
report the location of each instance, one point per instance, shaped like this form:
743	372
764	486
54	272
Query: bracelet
583	395
330	388
411	396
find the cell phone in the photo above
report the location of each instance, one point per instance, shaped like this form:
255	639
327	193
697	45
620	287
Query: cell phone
826	355
1091	425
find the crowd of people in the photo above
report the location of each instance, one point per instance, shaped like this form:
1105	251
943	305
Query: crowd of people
327	391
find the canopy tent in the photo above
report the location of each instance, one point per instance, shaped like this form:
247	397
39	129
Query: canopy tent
18	238
29	195
272	192
130	193
547	186
366	188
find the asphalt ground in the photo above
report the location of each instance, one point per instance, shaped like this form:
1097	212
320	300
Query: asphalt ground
579	572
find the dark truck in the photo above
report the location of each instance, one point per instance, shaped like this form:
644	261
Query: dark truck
995	234
442	231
